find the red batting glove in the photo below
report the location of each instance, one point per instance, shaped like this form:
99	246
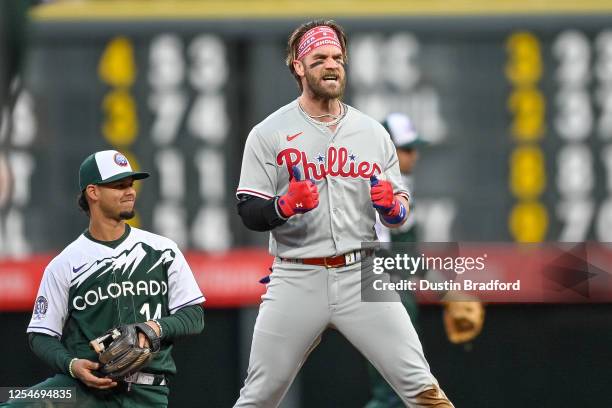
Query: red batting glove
302	196
383	199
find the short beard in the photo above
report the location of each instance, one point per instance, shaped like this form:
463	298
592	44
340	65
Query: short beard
319	91
127	215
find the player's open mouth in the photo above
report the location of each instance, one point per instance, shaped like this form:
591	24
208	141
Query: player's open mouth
330	78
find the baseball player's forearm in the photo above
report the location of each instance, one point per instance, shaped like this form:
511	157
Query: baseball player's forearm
259	214
398	223
188	320
50	350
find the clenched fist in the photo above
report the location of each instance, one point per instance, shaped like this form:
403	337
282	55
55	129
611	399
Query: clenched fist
302	196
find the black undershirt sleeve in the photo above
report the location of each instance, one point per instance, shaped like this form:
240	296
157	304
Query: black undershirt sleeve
259	214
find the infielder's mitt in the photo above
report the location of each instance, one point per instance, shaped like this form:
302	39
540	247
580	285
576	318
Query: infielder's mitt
463	320
118	350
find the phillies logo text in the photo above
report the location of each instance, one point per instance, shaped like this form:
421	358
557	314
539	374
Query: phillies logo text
337	162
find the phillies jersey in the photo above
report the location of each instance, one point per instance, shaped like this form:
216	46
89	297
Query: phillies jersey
92	286
340	163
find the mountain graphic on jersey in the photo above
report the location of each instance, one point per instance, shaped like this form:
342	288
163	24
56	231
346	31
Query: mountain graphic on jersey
138	273
127	261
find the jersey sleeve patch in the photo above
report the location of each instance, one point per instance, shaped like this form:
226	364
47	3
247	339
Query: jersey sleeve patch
41	305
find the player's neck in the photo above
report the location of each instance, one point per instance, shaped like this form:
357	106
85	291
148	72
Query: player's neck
317	107
106	229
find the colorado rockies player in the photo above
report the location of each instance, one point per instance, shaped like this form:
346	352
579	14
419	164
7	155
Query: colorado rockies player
312	175
112	274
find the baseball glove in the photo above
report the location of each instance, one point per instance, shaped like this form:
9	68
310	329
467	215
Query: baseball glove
463	320
119	352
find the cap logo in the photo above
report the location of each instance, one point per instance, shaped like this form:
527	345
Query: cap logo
121	160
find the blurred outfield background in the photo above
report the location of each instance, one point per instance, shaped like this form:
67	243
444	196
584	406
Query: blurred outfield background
515	98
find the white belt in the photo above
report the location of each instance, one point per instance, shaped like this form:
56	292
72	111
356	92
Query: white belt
146	379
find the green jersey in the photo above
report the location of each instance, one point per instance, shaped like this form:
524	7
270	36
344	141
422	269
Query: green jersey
93	286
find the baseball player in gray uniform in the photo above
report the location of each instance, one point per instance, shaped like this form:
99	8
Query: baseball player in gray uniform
315	173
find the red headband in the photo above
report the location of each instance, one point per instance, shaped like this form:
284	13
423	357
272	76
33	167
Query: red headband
315	38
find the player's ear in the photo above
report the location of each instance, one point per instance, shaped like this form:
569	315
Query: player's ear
92	192
298	66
